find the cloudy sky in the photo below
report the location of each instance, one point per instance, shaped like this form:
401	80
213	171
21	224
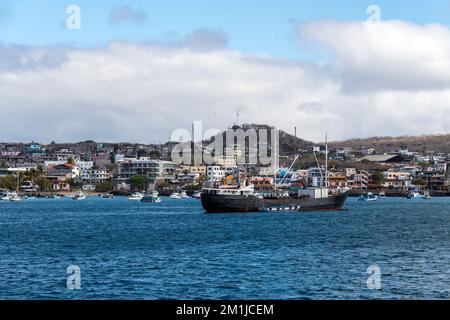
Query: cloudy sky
135	70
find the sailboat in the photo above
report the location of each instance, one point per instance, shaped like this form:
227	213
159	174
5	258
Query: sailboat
15	196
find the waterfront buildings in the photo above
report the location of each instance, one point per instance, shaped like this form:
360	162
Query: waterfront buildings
156	171
88	164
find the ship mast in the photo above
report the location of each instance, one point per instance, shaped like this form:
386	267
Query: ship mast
275	162
326	160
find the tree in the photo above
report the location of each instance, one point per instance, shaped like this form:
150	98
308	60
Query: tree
419	182
43	183
155	154
139	182
9	182
378	178
71	161
105	186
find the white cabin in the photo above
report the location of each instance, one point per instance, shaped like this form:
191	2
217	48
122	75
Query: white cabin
314	193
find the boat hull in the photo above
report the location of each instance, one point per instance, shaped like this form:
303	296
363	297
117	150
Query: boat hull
242	204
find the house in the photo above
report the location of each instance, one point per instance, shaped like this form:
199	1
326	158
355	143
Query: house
337	180
62	172
262	184
343	151
367	151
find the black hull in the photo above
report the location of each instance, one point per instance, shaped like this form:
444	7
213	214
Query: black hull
242	204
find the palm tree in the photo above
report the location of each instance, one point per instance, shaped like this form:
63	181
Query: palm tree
71	161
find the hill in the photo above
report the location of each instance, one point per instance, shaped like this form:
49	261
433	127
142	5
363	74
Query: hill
423	144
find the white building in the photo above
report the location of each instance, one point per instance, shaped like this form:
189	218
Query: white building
93	176
215	173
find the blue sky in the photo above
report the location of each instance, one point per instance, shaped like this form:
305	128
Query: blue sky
252	26
149	67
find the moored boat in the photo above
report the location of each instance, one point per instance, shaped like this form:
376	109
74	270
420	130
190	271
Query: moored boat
175	196
243	200
15	198
415	195
137	196
197	195
79	196
151	197
184	195
107	196
368	197
8	195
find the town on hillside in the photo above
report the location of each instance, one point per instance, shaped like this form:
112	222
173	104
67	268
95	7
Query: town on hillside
123	168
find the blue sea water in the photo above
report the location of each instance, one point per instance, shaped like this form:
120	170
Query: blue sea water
172	250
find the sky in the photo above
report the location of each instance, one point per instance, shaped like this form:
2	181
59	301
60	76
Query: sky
138	70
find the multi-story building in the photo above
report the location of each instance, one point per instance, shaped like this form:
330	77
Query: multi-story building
94	176
359	180
397	179
156	170
195	169
66	155
226	161
337	180
61	174
262	184
215	173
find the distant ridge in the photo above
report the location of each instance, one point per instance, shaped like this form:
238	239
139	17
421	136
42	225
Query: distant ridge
425	143
289	144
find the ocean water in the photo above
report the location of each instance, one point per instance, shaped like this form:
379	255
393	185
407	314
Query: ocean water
172	250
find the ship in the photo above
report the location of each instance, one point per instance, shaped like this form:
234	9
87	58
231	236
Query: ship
246	200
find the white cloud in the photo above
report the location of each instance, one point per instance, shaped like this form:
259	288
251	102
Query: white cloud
126	14
391	55
131	92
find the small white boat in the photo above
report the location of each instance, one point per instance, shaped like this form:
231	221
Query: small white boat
415	195
427	196
382	195
151	199
137	196
368	197
176	196
8	196
183	195
15	198
79	196
197	195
